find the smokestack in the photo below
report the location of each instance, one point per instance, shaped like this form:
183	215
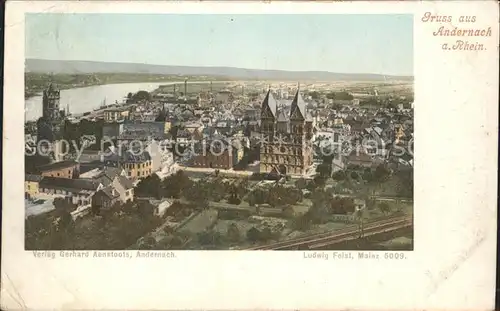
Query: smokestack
185	87
174	89
211	90
242	90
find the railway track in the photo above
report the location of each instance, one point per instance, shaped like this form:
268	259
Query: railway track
354	235
338	235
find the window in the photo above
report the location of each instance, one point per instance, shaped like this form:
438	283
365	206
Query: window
58	174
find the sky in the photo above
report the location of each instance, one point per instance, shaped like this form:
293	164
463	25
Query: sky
380	44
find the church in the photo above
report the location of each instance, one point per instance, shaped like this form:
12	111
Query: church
286	132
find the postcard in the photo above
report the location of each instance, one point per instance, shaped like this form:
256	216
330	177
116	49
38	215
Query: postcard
250	155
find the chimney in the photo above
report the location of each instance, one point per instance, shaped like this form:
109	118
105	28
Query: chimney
185	87
174	89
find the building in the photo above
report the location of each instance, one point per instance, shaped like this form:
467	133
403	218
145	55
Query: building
216	154
112	130
105	198
286	146
61	169
223	97
78	191
50	126
162	208
137	163
115	114
360	158
31	185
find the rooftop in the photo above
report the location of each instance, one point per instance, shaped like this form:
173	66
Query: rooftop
57	165
69	184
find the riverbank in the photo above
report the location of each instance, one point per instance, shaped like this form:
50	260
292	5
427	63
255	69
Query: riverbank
35	83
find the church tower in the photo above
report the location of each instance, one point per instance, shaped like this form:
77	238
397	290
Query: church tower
268	130
286	146
51	125
51	104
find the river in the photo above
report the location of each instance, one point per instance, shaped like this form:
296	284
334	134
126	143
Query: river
85	99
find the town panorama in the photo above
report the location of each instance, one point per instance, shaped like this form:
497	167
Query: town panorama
217	162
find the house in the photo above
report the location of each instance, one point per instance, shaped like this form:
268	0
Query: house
115	114
78	191
124	188
183	136
162	208
105	198
120	189
193	126
157	153
223	97
136	162
31	184
359	157
61	169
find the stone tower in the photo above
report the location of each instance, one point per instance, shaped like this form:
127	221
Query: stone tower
51	125
286	146
51	104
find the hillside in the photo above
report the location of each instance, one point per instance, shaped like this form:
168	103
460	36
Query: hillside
84	67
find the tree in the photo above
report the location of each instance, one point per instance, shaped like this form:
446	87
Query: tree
257	196
174	185
63	211
359	215
319	210
147	243
150	186
301	183
141	95
162	115
384	207
382	173
199	194
324	170
217	190
319	181
253	234
314	94
330	95
354	175
405	184
233	233
302	222
367	175
266	234
339	175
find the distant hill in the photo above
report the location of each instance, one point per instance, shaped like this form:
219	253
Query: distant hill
83	67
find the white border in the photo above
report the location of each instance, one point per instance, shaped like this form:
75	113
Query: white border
452	266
